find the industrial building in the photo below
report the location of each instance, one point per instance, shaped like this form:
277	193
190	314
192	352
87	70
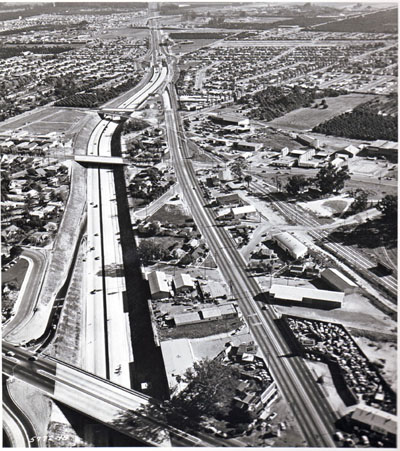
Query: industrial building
158	283
375	419
290	244
306	297
338	281
229	119
220	312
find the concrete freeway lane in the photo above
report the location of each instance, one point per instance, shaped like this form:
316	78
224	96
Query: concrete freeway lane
310	408
28	294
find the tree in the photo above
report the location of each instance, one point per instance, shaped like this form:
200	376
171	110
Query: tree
150	251
238	166
248	178
360	201
331	179
388	207
296	184
211	388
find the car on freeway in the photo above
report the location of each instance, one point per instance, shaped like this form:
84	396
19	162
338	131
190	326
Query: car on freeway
10	354
32	358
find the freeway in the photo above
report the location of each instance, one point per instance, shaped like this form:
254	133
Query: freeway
314	415
108	351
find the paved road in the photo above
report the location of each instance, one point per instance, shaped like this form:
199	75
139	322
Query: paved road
16	425
28	293
310	408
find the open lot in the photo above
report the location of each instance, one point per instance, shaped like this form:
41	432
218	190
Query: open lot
45	120
307	118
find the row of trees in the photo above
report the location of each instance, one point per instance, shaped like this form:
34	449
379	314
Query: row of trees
96	97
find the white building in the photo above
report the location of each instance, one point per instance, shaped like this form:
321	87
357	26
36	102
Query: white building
307	297
338	280
183	283
290	244
159	287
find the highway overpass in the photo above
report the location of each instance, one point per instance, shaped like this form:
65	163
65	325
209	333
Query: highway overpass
99	160
96	397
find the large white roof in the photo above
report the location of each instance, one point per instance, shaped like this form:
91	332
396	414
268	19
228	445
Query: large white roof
297	294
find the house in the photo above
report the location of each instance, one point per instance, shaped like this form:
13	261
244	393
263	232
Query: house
159	287
338	281
229	199
307	297
183	283
290	244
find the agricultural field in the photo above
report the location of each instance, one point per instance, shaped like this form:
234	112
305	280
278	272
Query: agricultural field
307	118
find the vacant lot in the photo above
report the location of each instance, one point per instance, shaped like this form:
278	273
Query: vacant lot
307	118
171	214
45	120
193	46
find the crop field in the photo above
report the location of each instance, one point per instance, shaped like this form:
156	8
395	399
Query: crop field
307	118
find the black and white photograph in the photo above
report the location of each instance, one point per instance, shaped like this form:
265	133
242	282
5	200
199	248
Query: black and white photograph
199	224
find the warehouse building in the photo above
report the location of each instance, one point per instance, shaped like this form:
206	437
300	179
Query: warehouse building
158	283
306	297
183	283
338	281
290	244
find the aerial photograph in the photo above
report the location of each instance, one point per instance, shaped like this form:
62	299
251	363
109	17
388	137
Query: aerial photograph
199	224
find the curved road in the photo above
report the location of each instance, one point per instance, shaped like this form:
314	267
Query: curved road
29	290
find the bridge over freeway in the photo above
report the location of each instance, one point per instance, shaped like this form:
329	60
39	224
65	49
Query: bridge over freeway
99	160
98	398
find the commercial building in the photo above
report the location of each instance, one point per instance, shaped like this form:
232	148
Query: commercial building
290	244
307	297
376	420
158	283
338	281
242	212
249	146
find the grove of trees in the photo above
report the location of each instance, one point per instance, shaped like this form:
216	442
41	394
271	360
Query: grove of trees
276	101
361	124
